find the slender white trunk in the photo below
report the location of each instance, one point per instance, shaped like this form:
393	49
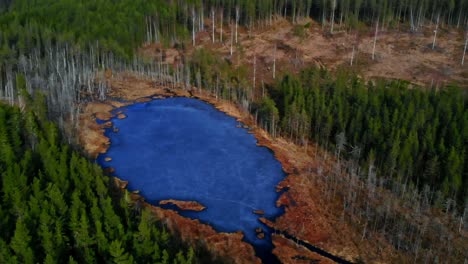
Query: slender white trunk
419	23
332	15
464	49
221	26
274	63
323	18
411	19
232	38
435	32
193	27
352	57
263	89
148	30
459	18
254	70
200	19
460	225
237	20
294	20
375	39
341	19
212	25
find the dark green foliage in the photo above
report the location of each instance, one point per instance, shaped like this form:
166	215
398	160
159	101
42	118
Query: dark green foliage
417	136
56	207
113	26
121	26
268	113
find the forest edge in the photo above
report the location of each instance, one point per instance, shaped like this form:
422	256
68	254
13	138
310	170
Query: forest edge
304	218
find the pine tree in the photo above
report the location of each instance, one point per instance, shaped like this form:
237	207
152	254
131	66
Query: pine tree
21	243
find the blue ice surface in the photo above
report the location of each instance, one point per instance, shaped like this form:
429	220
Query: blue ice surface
185	149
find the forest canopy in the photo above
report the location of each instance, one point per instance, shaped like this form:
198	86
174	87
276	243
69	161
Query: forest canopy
415	136
58	207
123	26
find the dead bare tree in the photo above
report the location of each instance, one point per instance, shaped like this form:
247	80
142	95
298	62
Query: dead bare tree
254	70
332	14
274	62
221	26
212	24
464	49
375	38
435	31
237	20
232	40
193	26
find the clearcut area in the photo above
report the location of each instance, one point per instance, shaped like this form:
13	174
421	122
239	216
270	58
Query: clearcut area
185	149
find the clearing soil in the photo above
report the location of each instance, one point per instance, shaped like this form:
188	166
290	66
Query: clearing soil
399	54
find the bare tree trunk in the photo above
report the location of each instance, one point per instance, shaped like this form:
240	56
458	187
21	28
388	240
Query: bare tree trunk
237	20
294	20
232	38
200	19
341	19
148	30
464	49
156	32
375	39
352	57
333	3
323	18
221	27
459	18
435	31
254	70
274	62
193	27
212	25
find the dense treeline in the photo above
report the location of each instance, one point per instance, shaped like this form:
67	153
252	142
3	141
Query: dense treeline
122	26
49	193
418	137
56	206
72	40
400	152
348	12
112	26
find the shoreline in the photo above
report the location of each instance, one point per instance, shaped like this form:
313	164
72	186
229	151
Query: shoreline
235	240
226	245
304	217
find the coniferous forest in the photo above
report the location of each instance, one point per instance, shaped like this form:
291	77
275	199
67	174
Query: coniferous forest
57	206
418	137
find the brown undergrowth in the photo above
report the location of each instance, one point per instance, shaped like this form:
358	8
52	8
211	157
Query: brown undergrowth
308	216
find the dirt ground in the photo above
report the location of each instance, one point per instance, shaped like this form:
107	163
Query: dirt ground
398	54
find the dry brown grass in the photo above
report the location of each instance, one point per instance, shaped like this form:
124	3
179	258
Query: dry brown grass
307	217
